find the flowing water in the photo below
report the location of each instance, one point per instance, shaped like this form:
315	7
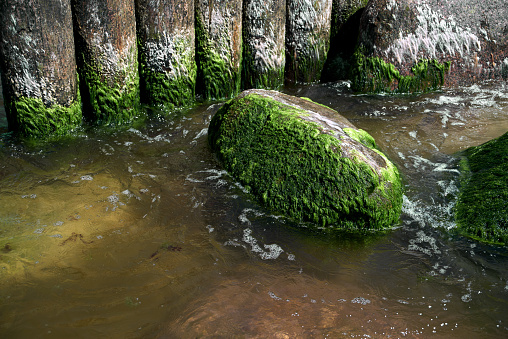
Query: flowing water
138	233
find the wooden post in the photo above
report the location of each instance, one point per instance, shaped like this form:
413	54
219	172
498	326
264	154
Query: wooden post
219	47
264	32
166	51
105	33
307	39
38	63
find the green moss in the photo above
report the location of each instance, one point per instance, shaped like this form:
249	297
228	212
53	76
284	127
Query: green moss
482	205
31	118
111	104
253	77
293	167
374	75
308	64
362	137
158	88
219	78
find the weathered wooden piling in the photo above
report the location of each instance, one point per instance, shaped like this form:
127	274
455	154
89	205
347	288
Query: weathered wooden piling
38	64
105	33
264	32
166	51
219	47
307	39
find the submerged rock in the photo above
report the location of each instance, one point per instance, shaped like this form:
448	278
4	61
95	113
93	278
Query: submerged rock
306	161
482	206
414	46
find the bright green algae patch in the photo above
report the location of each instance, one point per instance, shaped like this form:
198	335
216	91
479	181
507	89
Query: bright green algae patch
218	76
111	104
374	75
482	206
31	118
297	169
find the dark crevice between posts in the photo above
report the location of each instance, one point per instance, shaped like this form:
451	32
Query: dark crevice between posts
342	48
79	42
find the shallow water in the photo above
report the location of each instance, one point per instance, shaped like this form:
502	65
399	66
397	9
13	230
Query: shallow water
139	233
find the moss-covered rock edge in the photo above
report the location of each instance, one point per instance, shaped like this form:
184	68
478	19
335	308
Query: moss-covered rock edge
374	75
481	212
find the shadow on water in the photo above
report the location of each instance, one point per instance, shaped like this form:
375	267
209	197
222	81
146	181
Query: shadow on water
138	232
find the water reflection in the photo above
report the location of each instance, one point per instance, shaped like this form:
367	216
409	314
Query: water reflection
139	233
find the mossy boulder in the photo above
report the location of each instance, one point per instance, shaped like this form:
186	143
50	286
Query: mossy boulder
482	206
306	161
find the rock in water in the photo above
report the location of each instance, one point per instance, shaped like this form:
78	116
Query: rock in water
306	161
482	206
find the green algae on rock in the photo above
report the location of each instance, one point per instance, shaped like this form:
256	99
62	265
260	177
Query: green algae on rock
482	206
306	161
374	75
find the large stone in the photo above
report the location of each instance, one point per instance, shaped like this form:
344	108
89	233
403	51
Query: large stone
166	51
107	59
482	206
413	46
264	33
38	63
307	39
306	161
219	47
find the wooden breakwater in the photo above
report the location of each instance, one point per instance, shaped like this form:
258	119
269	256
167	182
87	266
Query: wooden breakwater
65	61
